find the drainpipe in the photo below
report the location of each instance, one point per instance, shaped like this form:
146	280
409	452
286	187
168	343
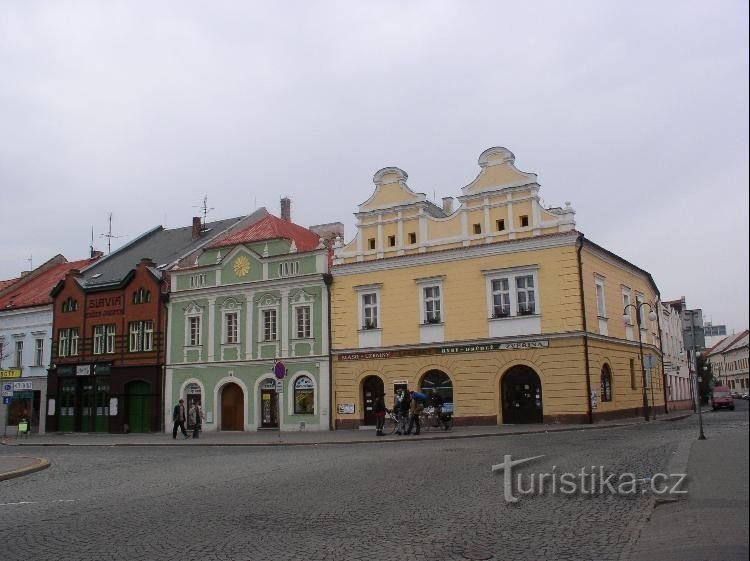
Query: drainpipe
328	280
661	350
579	247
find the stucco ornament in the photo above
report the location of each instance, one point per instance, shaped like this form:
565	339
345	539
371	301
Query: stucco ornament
241	266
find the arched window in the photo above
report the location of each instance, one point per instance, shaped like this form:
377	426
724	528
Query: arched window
70	305
606	383
304	396
436	381
141	296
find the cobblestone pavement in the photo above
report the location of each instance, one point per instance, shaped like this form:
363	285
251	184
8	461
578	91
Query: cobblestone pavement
420	500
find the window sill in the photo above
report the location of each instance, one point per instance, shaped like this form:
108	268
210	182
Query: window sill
369	329
515	317
429	323
303	339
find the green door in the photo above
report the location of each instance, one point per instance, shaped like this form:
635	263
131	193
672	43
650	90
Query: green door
101	423
66	409
87	405
139	406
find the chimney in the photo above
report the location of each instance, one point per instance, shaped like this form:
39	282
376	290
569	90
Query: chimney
197	229
447	205
286	209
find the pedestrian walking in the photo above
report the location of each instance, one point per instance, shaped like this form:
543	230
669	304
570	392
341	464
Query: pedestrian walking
403	413
178	417
415	409
196	418
379	410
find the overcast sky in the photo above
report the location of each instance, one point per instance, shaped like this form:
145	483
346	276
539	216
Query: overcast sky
636	112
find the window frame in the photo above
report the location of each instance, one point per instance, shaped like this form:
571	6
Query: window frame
424	286
308	390
98	339
306	331
193	331
231	327
511	275
39	351
269	331
601	297
18	354
605	383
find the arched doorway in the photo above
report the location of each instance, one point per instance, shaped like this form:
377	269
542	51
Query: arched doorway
372	386
521	394
269	405
138	406
232	408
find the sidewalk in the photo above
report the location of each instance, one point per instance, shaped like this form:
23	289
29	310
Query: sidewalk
712	522
10	464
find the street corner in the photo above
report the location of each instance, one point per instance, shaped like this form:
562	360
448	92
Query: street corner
18	466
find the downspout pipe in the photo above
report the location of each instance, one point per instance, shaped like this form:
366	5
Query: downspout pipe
328	280
579	247
661	350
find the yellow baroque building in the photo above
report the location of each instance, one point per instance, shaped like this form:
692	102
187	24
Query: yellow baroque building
499	305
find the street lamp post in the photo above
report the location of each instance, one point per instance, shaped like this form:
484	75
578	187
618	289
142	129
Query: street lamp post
701	436
652	317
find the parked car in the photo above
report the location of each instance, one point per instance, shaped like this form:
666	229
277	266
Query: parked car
722	398
745	396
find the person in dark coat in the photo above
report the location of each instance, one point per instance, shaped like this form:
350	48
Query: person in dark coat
379	410
403	412
415	409
179	415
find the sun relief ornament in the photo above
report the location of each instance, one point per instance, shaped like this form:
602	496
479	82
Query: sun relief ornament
241	266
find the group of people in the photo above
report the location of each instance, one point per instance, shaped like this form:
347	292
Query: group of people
194	415
408	406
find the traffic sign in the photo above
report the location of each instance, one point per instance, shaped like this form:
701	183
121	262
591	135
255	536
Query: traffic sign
7	400
7	386
6	393
279	370
279	386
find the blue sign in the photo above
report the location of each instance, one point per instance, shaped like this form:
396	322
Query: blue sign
7	400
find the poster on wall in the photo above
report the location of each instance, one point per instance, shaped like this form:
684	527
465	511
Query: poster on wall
346	408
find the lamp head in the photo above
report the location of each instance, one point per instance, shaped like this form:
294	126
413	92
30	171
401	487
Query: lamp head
652	315
626	318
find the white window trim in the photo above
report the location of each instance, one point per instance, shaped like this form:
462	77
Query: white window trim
110	337
188	342
361	292
39	351
423	284
262	324
601	311
295	319
628	309
99	341
290	394
511	274
225	327
300	299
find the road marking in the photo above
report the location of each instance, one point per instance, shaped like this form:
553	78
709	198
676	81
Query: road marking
39	502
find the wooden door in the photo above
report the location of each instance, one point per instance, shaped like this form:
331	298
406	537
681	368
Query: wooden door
269	409
232	408
371	388
139	405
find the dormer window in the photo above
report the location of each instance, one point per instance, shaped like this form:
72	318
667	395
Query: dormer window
524	220
391	241
371	243
412	238
500	224
69	305
477	228
141	296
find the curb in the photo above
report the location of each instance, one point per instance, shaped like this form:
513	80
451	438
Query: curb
36	464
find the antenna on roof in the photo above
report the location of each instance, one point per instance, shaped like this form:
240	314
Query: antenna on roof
91	246
204	207
30	259
109	235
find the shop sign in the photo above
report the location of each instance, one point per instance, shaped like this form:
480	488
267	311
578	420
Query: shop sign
23	395
484	347
83	370
64	370
365	356
102	369
105	306
346	408
18	386
10	373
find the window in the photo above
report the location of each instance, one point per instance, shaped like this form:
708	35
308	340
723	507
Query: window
269	325
304	396
431	304
194	331
500	224
500	298
288	268
141	336
109	343
370	311
371	243
526	295
197	281
600	309
412	238
141	296
511	292
19	354
304	330
524	220
69	305
39	352
68	342
391	241
231	324
477	228
98	339
606	383
626	304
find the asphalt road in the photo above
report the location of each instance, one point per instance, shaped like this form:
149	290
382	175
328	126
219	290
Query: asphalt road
431	500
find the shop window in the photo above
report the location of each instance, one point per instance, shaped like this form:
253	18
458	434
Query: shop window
437	382
304	396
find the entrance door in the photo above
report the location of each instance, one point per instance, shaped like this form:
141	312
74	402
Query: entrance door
521	392
67	407
372	386
269	405
139	406
232	408
88	405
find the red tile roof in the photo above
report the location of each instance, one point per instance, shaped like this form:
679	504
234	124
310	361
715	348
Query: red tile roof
272	228
8	282
36	291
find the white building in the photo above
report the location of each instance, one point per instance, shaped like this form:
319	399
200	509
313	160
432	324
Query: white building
26	310
729	362
676	366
